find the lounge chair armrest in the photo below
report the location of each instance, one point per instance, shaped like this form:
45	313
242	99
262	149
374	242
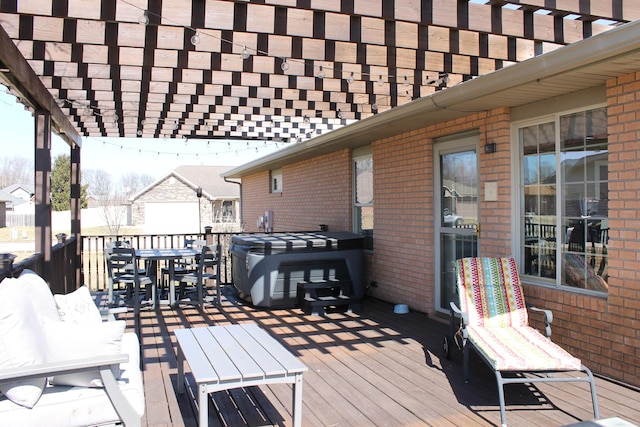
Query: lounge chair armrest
548	318
103	364
462	314
64	367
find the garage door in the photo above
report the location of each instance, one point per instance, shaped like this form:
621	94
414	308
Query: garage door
171	218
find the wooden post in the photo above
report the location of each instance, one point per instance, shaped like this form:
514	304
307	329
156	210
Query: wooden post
44	238
76	208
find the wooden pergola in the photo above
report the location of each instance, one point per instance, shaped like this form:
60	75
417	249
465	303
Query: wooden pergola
272	70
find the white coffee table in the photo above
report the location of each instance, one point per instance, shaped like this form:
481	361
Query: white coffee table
225	357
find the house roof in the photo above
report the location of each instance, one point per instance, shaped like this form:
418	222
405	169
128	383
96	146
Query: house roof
10	199
209	178
582	65
29	188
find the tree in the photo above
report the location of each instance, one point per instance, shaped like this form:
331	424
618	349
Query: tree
111	198
61	185
133	182
16	170
108	198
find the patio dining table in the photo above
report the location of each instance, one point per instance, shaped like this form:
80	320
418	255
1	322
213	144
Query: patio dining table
171	255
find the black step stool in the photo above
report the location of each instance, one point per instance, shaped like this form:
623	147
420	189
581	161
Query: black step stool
315	295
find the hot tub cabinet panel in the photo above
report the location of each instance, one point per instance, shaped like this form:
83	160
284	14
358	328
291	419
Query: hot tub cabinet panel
267	267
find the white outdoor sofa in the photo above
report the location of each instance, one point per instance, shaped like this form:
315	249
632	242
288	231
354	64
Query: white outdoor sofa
60	364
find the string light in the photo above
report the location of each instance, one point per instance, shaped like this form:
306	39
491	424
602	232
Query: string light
144	18
195	39
245	53
440	81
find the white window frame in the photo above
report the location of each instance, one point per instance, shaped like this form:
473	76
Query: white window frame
518	201
275	180
358	155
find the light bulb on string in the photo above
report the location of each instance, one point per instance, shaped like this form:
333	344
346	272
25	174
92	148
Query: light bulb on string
351	78
374	106
380	80
195	39
321	73
139	132
285	65
245	53
144	18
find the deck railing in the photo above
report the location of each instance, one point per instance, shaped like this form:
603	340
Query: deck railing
60	272
94	266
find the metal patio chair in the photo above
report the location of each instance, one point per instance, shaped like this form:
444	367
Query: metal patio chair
193	286
494	322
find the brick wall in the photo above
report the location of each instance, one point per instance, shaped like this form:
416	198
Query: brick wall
314	192
603	331
402	261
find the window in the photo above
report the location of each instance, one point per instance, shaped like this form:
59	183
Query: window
564	209
276	181
363	194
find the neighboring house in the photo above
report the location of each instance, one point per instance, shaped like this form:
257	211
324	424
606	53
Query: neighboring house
3	209
21	191
548	147
20	200
173	203
16	204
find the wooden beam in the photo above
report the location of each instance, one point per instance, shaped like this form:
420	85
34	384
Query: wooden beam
20	76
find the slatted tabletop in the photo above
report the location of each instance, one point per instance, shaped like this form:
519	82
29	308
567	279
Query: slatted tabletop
225	357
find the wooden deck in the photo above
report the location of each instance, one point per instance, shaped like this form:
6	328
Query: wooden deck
376	368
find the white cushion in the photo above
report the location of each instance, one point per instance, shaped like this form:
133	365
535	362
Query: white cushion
67	340
78	307
22	342
40	295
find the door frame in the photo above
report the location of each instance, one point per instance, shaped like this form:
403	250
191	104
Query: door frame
469	141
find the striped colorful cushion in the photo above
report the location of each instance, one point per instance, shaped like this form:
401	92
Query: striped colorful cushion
490	292
520	349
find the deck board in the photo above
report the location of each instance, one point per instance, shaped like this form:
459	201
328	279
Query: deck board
374	368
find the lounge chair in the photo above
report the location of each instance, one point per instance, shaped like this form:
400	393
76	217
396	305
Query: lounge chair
494	322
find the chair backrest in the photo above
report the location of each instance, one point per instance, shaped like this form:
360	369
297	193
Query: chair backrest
194	243
490	291
120	260
117	244
209	258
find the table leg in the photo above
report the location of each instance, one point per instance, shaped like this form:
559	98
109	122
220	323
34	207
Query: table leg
172	283
297	401
180	370
152	273
203	405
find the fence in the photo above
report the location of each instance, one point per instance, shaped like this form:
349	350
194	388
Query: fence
20	220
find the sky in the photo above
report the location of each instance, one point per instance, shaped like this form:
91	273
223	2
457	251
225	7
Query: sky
121	156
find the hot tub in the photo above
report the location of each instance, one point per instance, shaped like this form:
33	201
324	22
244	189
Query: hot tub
266	268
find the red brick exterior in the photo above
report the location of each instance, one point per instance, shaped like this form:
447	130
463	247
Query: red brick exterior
603	331
315	192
